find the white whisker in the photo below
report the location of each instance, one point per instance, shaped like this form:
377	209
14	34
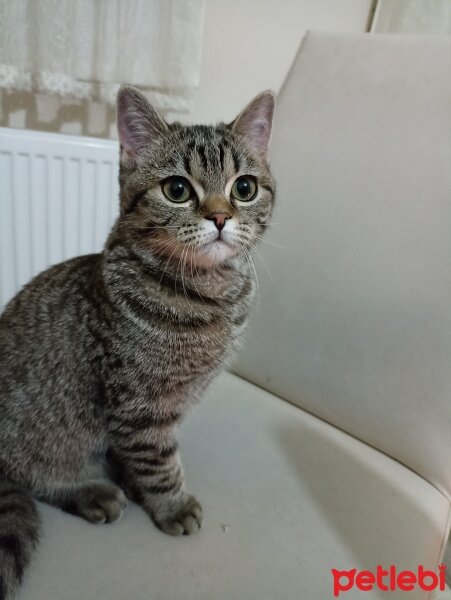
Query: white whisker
259	255
174	243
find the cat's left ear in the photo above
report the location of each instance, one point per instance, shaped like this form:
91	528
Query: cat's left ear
139	125
254	123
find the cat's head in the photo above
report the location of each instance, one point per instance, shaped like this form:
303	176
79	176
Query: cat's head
201	194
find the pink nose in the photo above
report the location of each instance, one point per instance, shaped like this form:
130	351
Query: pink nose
219	219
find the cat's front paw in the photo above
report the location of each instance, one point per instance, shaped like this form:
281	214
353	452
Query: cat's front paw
184	518
101	502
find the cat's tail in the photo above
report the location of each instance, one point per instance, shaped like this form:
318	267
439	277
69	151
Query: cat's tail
19	532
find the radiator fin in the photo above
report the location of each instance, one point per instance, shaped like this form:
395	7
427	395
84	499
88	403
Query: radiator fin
58	199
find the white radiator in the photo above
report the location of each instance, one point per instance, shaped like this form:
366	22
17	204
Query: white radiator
58	199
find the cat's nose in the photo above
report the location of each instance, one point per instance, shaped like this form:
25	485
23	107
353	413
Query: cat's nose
218	218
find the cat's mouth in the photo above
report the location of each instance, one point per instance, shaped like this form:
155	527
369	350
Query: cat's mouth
218	246
217	250
208	254
222	237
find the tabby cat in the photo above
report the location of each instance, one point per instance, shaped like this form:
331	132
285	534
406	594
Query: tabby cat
102	355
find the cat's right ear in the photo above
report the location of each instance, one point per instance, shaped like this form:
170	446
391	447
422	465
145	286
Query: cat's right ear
138	123
254	123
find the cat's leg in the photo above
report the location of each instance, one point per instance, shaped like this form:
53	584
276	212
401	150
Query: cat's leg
151	468
96	500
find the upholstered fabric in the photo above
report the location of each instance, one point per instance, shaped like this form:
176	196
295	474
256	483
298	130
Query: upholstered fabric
354	322
287	498
353	325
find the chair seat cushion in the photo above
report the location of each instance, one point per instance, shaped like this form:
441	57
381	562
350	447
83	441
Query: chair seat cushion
287	497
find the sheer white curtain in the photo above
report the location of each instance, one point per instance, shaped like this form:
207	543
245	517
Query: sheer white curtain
86	48
412	16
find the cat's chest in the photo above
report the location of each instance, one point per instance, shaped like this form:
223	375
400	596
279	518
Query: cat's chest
178	341
166	360
169	348
172	342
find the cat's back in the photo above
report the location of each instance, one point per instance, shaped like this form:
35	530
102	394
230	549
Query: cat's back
47	293
40	326
47	380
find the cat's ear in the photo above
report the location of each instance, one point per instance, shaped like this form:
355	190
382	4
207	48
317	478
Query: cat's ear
255	122
138	123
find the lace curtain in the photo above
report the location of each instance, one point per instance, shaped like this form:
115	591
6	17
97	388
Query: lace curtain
413	16
84	49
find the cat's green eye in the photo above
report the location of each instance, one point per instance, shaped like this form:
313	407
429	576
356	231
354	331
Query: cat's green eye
244	188
177	189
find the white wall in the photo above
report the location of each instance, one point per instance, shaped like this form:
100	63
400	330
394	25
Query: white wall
249	46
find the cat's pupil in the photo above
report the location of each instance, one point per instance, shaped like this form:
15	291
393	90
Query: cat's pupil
177	189
243	188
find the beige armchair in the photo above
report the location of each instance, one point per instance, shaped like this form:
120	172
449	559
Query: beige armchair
329	447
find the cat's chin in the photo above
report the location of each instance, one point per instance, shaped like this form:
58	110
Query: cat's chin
207	256
213	254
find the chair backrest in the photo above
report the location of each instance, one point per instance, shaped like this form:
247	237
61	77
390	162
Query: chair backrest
354	322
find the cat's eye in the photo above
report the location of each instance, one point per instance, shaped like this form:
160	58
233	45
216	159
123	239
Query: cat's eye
177	189
244	188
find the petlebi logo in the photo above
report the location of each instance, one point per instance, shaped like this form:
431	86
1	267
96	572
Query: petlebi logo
388	579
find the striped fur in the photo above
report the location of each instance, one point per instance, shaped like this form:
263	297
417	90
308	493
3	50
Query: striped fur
19	529
101	356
